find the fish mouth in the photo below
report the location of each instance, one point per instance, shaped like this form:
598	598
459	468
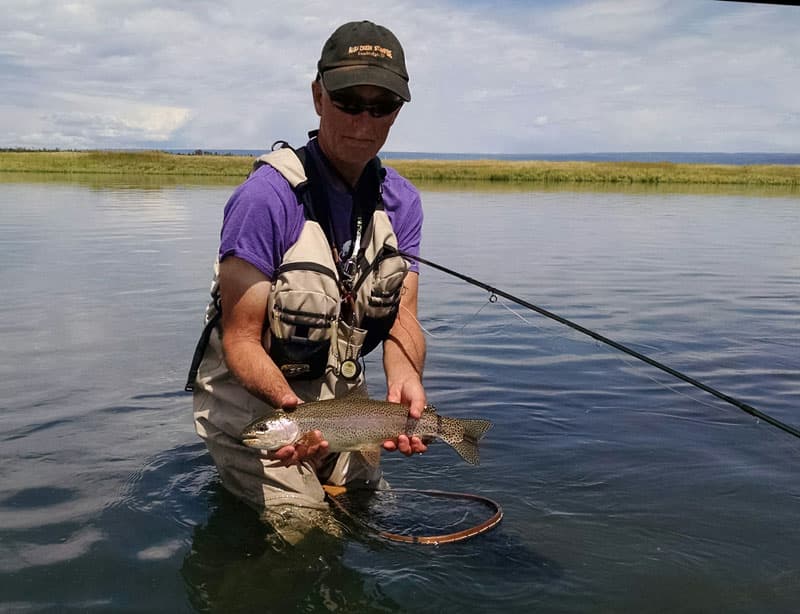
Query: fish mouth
251	442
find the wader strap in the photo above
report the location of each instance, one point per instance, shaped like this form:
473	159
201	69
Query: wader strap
287	161
200	350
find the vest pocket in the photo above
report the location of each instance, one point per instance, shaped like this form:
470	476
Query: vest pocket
299	358
301	324
381	298
380	290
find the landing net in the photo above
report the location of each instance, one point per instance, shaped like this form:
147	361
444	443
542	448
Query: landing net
417	516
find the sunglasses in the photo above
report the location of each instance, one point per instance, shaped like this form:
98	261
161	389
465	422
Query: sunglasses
353	105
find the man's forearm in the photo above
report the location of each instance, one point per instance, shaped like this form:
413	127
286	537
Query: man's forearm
404	350
256	371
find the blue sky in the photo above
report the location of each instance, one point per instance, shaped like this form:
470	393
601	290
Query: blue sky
486	77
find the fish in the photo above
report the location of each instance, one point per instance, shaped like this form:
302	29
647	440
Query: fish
361	424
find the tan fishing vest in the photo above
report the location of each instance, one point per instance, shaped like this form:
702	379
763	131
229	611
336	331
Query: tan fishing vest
316	328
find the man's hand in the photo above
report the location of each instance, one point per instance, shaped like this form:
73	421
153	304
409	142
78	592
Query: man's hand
406	445
411	394
310	447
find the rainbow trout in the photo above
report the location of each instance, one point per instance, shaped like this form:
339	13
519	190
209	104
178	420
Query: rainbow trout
361	424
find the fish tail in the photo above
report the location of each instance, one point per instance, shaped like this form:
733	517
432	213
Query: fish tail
475	429
464	439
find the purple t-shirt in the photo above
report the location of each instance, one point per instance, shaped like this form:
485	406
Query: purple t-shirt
263	218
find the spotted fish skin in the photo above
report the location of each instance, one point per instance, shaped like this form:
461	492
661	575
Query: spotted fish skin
362	424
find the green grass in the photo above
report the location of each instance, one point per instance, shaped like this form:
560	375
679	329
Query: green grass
545	172
122	163
229	169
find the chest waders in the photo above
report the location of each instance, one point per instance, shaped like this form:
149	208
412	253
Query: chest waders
325	309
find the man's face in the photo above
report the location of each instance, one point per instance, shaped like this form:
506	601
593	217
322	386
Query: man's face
354	138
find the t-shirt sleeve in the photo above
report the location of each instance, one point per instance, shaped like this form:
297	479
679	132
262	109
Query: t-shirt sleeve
262	220
404	208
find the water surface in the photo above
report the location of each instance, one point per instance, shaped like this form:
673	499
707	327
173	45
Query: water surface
623	489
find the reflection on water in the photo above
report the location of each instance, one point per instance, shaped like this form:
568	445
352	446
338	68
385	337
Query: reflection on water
623	490
236	564
94	181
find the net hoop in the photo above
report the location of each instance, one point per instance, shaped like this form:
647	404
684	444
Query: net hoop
497	515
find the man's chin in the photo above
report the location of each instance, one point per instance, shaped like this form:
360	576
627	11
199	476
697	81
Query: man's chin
359	144
357	156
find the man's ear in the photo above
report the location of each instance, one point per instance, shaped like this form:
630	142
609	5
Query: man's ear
316	92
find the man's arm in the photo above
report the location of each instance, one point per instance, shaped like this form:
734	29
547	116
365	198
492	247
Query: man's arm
403	362
244	291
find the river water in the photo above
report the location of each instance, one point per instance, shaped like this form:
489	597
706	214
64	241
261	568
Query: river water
623	488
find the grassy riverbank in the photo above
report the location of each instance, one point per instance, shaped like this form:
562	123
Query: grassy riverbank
227	168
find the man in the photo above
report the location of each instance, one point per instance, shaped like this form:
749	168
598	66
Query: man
283	328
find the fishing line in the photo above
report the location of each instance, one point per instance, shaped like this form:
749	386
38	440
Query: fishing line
630	364
749	409
665	385
523	318
455	333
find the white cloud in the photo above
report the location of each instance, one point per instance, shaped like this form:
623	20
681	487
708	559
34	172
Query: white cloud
603	75
615	21
83	121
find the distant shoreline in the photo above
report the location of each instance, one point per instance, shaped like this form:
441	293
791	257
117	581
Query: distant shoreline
500	171
742	158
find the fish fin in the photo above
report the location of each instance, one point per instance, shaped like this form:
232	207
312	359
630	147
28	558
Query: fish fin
306	439
372	456
358	392
467	447
468	450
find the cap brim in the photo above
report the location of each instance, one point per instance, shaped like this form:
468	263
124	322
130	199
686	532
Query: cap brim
350	76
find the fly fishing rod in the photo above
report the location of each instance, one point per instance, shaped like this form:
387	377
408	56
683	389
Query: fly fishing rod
619	346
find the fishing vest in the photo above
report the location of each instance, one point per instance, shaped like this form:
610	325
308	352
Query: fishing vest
323	314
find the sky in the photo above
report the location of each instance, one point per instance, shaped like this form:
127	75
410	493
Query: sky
486	76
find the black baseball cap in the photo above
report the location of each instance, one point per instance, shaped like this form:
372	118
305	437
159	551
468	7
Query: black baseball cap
364	53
